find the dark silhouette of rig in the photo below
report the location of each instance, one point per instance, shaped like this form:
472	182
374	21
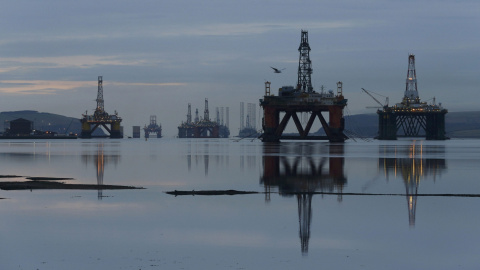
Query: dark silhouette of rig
204	127
153	127
302	98
101	118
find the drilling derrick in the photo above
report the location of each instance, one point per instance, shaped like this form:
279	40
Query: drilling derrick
206	128
304	65
227	116
248	128
185	130
411	117
189	114
206	114
411	91
302	99
111	123
221	115
153	127
224	131
242	115
100	110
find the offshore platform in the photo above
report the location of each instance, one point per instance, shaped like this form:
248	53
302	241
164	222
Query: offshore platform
412	117
101	118
203	127
223	123
303	98
248	125
153	127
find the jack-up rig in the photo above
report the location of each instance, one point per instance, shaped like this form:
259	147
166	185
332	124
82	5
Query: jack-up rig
100	117
153	127
303	98
204	127
412	117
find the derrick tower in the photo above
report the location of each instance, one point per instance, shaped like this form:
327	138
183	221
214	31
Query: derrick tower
242	115
206	114
303	99
206	128
411	91
185	129
111	123
412	117
100	102
189	114
304	65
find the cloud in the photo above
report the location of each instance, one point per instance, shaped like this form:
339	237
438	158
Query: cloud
227	29
189	30
23	87
44	87
78	61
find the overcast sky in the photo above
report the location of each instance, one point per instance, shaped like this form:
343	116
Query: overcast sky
157	56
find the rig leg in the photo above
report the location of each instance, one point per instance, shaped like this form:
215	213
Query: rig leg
271	122
336	125
86	130
435	126
387	126
115	132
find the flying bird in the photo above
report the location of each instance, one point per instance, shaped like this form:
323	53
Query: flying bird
276	70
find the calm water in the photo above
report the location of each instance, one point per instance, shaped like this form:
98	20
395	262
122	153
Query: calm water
282	227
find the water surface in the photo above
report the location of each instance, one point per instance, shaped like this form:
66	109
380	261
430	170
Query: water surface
357	205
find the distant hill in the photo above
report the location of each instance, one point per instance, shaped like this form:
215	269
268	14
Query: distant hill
44	121
457	124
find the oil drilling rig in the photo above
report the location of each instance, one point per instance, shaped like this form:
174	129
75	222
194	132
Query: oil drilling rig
153	127
185	130
248	125
303	98
203	127
101	118
412	117
224	131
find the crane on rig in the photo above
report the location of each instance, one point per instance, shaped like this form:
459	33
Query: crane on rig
376	100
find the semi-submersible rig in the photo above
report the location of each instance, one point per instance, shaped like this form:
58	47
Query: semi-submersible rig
411	117
303	98
101	118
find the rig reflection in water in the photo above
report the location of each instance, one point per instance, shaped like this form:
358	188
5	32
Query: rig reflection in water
299	170
98	157
413	166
